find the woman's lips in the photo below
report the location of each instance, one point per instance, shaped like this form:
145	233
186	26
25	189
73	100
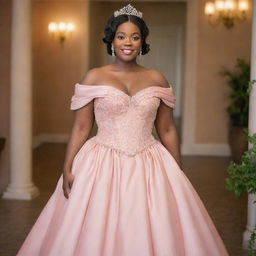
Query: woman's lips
127	51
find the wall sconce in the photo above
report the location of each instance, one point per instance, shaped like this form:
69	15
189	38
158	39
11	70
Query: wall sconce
226	11
61	30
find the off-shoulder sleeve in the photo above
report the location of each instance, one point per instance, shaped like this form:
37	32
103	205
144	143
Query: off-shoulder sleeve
83	94
166	95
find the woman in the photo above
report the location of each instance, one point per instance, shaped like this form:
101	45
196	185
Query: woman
122	192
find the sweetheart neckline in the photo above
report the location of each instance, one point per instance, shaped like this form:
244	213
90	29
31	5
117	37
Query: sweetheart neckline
124	93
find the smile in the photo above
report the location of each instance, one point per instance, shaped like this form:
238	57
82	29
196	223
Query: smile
127	52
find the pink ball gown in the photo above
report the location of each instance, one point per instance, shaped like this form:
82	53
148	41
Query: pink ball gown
129	196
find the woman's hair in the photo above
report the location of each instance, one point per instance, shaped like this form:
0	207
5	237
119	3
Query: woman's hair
114	22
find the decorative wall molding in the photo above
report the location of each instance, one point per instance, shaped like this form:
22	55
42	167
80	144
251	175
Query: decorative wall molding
41	138
206	149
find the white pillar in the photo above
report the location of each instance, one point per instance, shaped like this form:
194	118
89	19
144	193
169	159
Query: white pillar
251	209
21	185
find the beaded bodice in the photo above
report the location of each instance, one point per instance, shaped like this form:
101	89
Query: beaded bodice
124	122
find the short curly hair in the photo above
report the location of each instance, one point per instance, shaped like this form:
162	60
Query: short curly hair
114	22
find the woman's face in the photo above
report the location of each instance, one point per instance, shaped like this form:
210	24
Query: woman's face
127	41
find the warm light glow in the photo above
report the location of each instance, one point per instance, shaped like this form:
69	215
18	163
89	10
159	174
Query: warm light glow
70	27
243	5
229	5
209	8
61	30
52	27
62	26
219	5
226	12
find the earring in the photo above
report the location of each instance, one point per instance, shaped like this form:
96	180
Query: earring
140	52
112	49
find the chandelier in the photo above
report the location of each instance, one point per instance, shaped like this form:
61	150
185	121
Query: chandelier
226	11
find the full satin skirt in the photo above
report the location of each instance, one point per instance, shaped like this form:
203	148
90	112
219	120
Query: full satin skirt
120	205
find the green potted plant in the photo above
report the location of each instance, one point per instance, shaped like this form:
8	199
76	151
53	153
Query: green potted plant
242	177
239	106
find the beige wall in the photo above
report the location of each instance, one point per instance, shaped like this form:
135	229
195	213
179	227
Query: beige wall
217	46
56	69
5	24
97	19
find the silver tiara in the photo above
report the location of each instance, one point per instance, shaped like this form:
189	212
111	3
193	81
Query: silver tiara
128	10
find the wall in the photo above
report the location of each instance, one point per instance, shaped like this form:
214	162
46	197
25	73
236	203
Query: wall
57	68
5	39
55	71
217	47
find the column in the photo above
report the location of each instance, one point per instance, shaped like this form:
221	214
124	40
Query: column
251	209
21	185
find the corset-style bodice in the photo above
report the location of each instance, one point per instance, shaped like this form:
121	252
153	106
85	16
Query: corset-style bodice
124	122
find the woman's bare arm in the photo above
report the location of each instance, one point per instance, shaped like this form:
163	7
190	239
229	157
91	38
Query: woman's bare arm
81	129
164	123
167	132
83	123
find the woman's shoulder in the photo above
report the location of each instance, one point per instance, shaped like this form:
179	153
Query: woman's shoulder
158	78
93	75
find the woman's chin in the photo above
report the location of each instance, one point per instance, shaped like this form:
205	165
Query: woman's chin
127	57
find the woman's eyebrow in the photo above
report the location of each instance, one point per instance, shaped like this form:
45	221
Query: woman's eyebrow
124	33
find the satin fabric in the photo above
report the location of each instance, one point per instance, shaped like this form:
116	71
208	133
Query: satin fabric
121	204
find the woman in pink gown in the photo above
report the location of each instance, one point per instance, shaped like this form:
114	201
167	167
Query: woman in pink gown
122	192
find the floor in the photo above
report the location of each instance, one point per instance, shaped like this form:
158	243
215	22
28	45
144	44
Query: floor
207	175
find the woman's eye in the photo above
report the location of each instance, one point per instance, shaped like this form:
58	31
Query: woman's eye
134	38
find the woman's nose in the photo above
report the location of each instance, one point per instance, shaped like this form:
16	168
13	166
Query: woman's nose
128	41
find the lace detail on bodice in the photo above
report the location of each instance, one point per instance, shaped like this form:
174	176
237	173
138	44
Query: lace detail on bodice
124	122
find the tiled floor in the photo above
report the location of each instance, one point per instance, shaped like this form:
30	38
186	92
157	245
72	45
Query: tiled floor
207	175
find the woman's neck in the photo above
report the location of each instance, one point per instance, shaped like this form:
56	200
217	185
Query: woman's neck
126	66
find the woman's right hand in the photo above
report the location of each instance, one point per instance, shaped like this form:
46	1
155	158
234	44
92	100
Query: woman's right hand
68	179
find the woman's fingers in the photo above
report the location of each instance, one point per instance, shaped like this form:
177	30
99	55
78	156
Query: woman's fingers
67	185
65	192
70	183
65	189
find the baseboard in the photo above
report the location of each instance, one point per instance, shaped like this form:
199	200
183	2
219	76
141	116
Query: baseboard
205	149
46	137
